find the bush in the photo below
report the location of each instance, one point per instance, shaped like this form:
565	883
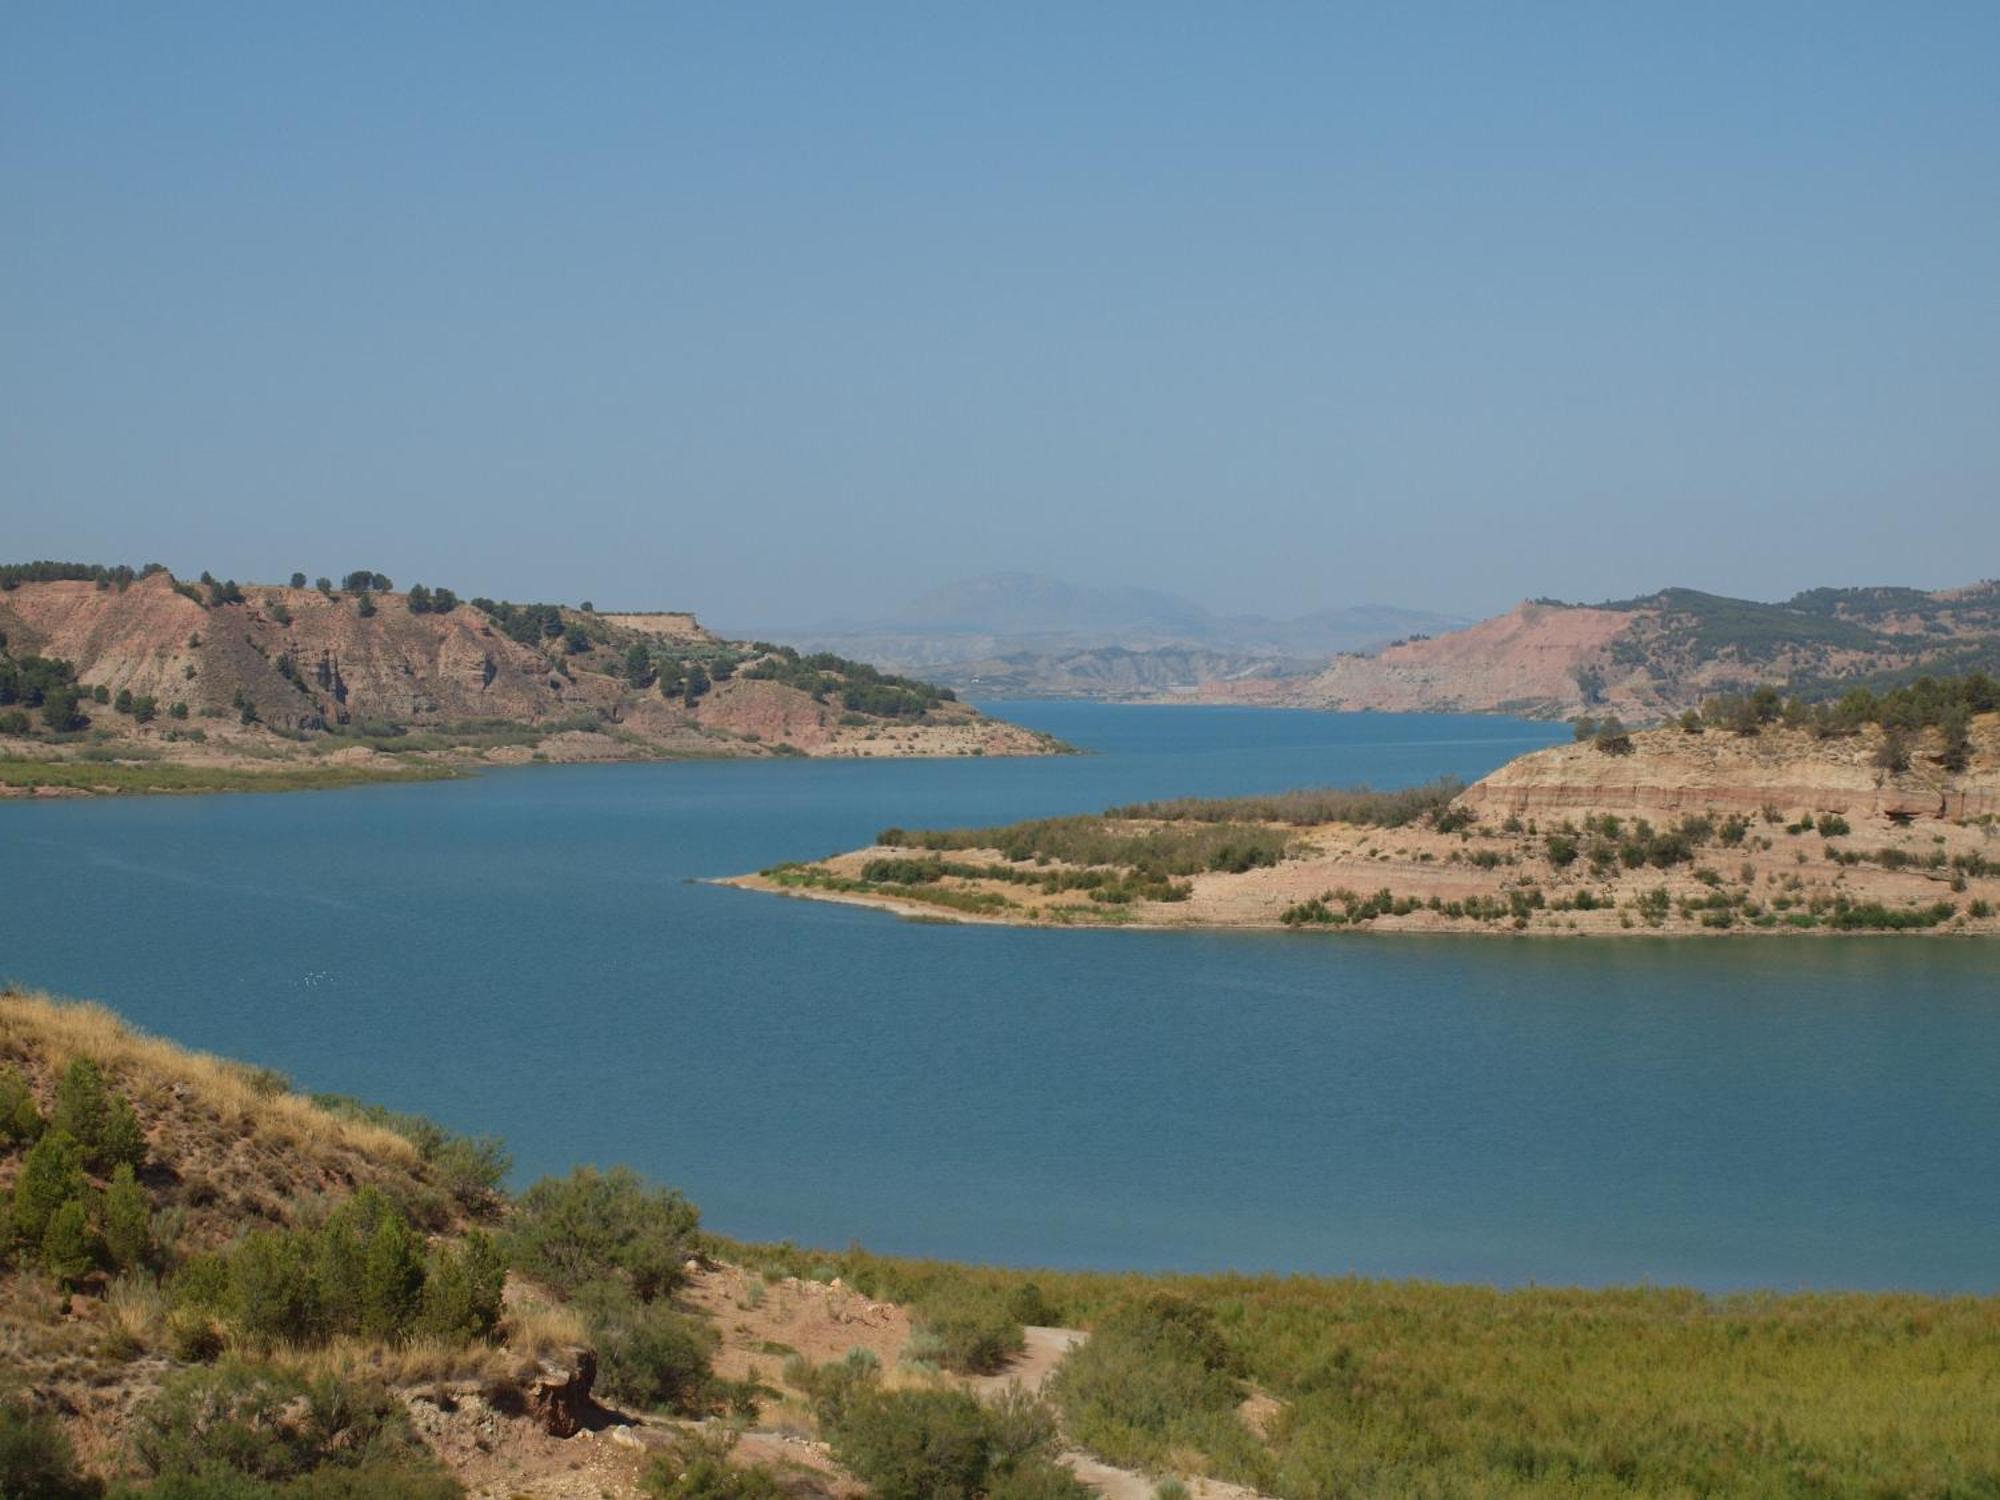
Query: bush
242	1429
591	1226
916	1445
69	1248
1154	1375
274	1296
363	1271
469	1168
1893	753
99	1119
697	1467
128	1221
461	1298
51	1175
940	1444
648	1354
36	1460
20	1121
970	1329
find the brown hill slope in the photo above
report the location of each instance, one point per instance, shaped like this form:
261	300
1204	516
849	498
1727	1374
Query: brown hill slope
1651	657
301	677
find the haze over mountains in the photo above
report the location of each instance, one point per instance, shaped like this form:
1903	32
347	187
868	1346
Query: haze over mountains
1031	634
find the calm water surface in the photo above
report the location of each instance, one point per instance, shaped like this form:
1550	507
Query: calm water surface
529	953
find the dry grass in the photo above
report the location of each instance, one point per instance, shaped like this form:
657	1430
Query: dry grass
535	1326
417	1362
243	1098
135	1313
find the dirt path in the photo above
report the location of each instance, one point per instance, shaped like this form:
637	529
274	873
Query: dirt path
1032	1369
762	1322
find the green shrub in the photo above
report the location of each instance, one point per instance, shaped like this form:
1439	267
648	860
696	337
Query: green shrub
392	1279
20	1122
225	1430
461	1298
915	1445
274	1296
589	1226
363	1271
1154	1376
648	1354
36	1460
128	1221
98	1118
940	1444
469	1168
696	1467
1028	1304
51	1175
971	1329
69	1247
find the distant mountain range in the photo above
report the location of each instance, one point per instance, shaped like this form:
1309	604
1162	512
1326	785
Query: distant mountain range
1025	634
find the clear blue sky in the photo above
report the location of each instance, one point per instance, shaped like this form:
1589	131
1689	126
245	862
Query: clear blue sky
780	311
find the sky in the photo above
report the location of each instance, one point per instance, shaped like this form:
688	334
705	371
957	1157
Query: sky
788	312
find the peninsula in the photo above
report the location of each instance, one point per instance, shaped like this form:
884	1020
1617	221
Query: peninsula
122	679
1875	814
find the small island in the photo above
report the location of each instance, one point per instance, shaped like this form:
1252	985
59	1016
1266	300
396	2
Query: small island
1871	813
116	679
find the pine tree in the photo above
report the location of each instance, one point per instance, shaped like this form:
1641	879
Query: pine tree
128	1222
462	1290
69	1251
99	1120
19	1119
51	1175
392	1280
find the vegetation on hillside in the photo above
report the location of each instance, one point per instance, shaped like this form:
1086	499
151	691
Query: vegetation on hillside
1414	1388
1307	807
591	672
861	689
274	1336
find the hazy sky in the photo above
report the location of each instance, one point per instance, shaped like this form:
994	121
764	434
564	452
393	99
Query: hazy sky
786	311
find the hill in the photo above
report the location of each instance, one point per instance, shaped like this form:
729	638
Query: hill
212	1286
133	679
1651	657
1881	817
1027	635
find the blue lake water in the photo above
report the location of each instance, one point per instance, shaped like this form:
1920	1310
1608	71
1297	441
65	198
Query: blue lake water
530	953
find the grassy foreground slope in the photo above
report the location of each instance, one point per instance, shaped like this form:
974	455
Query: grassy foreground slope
215	1288
1314	1387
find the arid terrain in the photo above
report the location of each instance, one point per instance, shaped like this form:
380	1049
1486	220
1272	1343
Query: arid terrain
187	686
1650	657
1677	832
232	1167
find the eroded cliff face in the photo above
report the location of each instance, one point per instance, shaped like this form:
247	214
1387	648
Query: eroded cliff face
302	662
1669	772
392	666
1526	661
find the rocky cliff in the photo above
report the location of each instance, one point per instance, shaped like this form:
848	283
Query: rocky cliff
266	671
1669	771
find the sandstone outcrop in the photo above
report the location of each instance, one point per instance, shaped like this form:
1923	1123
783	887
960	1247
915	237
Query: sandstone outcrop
1670	772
